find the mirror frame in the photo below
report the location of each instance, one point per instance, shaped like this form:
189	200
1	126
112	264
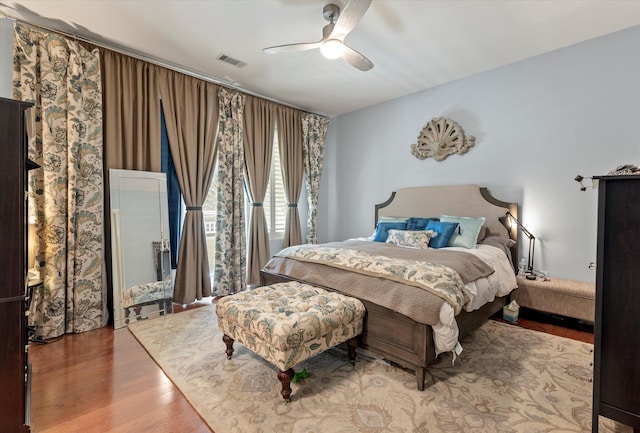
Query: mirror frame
140	300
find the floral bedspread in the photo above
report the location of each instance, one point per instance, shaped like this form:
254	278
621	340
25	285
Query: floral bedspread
437	279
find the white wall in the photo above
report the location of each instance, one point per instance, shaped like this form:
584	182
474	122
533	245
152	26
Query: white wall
538	123
6	58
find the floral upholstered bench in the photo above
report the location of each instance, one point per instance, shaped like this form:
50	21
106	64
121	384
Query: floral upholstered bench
287	323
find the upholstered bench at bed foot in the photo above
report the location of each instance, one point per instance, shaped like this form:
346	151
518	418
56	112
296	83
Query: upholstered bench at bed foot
575	299
287	323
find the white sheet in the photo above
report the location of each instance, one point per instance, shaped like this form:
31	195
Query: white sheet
500	283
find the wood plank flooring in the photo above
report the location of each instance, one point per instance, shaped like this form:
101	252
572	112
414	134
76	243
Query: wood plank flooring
555	325
103	381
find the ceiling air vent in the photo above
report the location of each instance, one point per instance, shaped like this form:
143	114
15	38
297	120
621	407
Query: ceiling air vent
230	60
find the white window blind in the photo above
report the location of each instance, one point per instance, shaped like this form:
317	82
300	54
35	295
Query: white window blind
275	203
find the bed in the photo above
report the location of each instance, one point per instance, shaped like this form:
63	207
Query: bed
403	316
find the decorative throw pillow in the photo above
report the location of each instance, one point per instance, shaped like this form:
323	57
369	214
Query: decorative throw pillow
499	242
483	233
383	228
415	223
444	230
410	238
467	236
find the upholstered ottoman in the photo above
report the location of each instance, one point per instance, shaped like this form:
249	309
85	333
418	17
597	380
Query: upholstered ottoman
287	323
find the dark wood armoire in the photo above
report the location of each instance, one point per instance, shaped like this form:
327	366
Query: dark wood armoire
616	381
14	366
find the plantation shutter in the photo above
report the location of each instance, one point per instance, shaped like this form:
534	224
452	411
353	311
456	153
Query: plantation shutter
275	203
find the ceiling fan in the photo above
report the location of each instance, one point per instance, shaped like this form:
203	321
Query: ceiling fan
332	45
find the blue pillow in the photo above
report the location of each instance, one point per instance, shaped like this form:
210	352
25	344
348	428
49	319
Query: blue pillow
444	230
467	236
382	230
415	223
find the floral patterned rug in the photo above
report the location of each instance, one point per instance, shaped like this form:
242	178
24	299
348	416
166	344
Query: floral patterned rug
507	379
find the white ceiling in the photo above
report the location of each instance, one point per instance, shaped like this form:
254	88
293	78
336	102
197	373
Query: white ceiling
414	44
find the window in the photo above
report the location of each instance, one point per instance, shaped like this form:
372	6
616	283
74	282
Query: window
275	203
209	222
209	211
210	205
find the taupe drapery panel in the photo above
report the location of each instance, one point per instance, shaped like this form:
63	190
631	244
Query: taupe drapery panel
259	122
191	114
314	130
231	254
131	113
131	123
290	145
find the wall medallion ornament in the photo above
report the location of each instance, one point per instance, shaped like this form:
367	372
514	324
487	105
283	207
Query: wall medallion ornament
440	138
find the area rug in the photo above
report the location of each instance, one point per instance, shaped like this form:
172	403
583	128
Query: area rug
507	379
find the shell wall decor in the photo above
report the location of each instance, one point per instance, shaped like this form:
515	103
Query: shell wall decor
440	138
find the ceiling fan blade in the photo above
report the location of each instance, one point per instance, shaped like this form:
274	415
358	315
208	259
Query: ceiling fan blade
349	17
356	59
292	47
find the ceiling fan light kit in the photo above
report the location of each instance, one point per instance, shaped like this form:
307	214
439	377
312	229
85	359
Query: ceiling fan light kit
332	45
332	49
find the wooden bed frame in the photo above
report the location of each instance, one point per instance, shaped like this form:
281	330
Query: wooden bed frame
394	336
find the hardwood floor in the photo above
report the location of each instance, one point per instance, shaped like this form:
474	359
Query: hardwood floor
555	325
103	381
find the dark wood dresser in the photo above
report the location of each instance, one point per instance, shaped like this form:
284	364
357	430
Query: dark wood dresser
14	367
616	381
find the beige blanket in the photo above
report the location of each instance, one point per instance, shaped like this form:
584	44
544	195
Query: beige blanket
468	266
414	302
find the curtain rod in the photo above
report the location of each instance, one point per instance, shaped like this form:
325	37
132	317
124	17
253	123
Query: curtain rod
156	62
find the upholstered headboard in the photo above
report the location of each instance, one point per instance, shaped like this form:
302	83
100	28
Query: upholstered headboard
458	200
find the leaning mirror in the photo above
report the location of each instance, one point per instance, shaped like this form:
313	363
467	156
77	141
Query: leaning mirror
140	255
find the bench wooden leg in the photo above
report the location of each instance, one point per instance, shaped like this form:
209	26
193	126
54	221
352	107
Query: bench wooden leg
229	342
285	378
353	344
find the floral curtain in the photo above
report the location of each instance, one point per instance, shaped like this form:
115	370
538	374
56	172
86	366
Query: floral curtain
314	131
230	243
63	80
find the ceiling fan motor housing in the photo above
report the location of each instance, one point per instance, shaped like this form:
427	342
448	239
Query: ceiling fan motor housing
331	12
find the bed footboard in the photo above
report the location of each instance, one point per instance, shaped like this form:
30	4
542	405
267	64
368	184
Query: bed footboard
399	339
391	335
